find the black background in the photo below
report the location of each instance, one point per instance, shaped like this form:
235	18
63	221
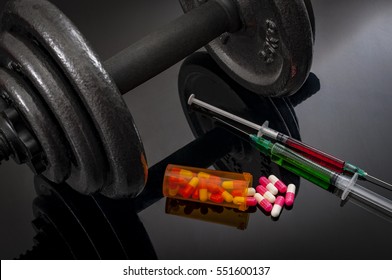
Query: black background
350	117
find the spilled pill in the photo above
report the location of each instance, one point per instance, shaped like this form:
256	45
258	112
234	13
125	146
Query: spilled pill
251	201
263	202
251	192
268	185
278	206
264	192
282	188
290	195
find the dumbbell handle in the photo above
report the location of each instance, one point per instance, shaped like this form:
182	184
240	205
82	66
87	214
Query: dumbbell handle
163	48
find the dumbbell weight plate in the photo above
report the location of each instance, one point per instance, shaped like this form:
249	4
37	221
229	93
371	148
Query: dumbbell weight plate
62	103
114	128
48	133
272	53
309	8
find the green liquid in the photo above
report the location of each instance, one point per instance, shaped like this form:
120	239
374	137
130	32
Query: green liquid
294	162
302	174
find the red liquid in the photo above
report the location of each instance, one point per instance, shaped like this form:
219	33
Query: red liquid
317	156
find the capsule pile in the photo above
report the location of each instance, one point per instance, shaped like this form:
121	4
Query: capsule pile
272	194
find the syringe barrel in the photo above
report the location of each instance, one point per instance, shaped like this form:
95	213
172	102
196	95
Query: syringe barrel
281	153
369	196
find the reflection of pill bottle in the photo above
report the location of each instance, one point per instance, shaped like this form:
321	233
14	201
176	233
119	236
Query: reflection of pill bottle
208	213
207	186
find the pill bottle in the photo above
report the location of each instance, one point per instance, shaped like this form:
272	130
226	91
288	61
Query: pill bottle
207	186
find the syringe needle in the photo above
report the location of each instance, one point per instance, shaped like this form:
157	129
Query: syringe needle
232	126
377	181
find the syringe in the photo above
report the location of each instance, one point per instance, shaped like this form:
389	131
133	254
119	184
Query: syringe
322	158
317	174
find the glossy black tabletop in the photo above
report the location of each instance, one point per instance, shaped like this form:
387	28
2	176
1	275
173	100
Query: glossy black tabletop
344	108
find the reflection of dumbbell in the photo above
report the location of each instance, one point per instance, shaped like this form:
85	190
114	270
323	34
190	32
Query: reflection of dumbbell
61	111
69	225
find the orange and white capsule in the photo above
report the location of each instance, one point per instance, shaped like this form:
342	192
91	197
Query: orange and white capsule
290	195
278	183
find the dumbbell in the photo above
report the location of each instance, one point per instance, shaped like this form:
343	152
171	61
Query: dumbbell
61	108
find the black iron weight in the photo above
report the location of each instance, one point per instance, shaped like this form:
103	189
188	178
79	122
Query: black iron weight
62	111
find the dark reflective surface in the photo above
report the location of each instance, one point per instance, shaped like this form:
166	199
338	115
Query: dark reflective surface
74	226
349	117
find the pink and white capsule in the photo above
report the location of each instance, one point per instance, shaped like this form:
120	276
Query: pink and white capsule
278	206
264	203
290	195
278	183
251	192
264	192
268	185
251	201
